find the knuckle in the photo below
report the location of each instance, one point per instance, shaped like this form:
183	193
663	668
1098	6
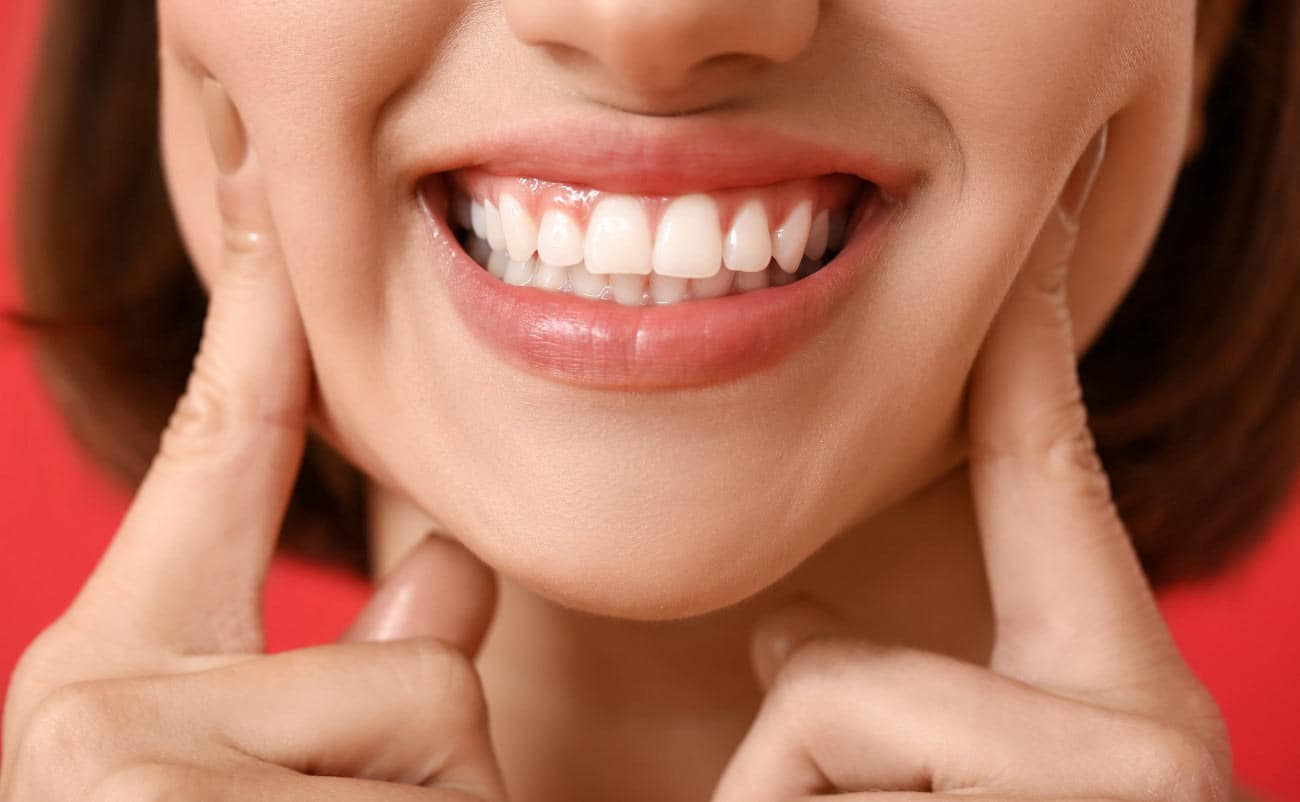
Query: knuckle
148	782
811	667
1187	768
68	718
442	685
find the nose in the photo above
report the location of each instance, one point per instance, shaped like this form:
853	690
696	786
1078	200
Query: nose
659	48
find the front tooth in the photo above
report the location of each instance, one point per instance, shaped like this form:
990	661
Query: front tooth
478	220
550	277
667	289
519	228
629	288
749	242
747	282
715	286
519	273
559	241
818	236
689	242
496	234
618	237
791	237
584	282
478	250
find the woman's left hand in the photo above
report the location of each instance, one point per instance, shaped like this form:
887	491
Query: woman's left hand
1085	695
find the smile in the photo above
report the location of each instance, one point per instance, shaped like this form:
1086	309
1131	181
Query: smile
592	283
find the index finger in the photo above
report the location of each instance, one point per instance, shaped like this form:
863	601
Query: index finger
1072	607
187	564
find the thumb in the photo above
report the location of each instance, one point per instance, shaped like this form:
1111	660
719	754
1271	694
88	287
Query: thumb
778	634
439	590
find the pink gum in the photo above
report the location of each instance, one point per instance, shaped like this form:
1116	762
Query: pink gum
827	192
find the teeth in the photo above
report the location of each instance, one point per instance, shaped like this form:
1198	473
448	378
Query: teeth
715	286
629	288
478	220
519	273
689	243
463	209
559	241
497	262
791	237
748	282
584	282
519	228
818	236
618	237
550	277
749	242
496	235
667	289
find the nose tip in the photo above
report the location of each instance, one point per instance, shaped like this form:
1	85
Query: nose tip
661	47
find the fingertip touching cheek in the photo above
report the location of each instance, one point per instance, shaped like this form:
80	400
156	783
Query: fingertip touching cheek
509	227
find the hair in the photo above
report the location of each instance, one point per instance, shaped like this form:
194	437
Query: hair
1193	388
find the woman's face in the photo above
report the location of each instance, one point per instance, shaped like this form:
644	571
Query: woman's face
674	458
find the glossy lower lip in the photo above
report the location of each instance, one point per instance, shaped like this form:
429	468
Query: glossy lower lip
597	344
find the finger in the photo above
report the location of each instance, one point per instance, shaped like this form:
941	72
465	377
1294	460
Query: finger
143	781
440	590
849	715
1072	607
187	565
409	711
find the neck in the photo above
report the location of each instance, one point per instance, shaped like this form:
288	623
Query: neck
661	706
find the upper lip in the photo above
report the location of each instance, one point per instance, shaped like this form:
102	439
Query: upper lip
664	156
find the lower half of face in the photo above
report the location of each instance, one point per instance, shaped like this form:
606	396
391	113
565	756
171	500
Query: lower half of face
645	313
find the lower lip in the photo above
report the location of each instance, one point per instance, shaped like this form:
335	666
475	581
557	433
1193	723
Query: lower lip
600	344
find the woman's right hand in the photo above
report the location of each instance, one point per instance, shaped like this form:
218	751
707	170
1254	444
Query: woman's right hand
154	685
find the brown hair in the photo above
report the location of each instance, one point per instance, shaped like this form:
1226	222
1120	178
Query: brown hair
1193	388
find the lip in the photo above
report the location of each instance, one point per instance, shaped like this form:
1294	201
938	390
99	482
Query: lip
599	344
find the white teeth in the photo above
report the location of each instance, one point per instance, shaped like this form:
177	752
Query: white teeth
818	236
496	235
618	237
629	288
463	211
747	282
667	289
519	273
497	262
790	238
559	241
715	286
584	282
478	220
519	228
550	277
689	242
749	242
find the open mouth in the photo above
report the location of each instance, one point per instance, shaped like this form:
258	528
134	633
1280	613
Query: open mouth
649	254
644	250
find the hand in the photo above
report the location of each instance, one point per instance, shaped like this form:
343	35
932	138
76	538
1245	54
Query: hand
1085	696
153	684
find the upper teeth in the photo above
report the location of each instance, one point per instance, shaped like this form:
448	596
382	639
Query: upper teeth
687	243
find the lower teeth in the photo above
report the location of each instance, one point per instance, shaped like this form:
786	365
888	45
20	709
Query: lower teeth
625	289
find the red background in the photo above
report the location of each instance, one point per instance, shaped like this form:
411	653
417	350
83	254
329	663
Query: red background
1240	632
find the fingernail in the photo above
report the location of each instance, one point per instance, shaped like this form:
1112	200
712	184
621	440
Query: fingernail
1080	183
225	130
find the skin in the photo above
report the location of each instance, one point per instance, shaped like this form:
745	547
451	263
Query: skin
661	605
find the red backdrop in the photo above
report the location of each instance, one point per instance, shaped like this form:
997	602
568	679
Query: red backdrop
1240	632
